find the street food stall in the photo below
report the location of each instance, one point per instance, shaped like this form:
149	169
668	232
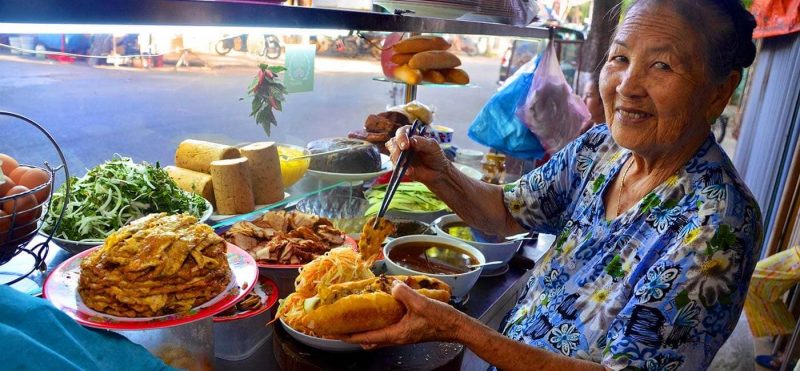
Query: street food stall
242	226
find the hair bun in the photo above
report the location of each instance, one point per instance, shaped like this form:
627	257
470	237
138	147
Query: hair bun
743	23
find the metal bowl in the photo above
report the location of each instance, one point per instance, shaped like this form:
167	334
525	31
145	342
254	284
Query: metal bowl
74	247
347	212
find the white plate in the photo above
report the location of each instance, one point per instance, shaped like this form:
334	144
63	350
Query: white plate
320	343
386	167
214	217
469	171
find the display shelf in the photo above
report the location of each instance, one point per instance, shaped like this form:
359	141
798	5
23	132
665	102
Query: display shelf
427	84
240	14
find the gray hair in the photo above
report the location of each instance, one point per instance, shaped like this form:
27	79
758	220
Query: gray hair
725	27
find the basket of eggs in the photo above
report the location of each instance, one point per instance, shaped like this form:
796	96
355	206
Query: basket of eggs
25	192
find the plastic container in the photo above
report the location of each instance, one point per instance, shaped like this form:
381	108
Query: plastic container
469	157
237	337
189	346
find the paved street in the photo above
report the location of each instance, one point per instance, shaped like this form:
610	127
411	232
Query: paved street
96	112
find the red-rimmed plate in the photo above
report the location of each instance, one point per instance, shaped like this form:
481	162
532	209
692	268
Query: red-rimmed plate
266	290
61	288
347	241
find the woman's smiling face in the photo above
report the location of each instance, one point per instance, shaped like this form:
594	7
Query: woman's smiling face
654	84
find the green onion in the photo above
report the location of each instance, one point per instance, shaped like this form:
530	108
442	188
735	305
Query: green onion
112	194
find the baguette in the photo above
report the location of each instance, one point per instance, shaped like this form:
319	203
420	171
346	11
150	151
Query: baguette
456	76
365	305
434	60
408	75
416	44
433	76
401	59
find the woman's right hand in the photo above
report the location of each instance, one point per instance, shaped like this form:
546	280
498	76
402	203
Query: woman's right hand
428	163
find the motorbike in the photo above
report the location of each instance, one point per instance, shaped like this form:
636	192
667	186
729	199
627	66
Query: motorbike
272	46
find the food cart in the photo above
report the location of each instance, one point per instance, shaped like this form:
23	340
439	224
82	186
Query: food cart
489	299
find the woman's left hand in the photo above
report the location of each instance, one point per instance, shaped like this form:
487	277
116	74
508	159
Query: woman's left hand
425	320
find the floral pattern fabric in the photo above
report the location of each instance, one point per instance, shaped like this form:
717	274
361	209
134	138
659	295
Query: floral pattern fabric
658	288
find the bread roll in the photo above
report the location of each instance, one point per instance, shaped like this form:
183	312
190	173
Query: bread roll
416	44
433	76
434	60
456	76
408	75
232	186
192	181
197	154
401	59
265	172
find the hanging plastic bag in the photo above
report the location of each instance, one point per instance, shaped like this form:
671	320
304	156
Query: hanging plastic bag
497	127
551	110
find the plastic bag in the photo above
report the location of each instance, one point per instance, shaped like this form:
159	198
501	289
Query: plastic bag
497	127
551	110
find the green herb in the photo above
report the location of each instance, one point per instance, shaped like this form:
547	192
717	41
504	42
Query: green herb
268	94
113	194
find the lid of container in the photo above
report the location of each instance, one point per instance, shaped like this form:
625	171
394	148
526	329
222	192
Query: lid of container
469	155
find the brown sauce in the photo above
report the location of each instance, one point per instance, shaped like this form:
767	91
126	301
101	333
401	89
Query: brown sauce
433	258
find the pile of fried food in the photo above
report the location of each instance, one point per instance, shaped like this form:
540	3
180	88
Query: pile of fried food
156	265
425	58
380	128
337	294
285	237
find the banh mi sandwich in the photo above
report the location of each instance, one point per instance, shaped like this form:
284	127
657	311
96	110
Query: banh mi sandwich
363	305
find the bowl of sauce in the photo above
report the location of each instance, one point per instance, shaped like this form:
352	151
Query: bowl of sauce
435	256
492	247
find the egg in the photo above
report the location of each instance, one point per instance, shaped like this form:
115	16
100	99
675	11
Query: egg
8	163
34	178
5	187
17	174
24	204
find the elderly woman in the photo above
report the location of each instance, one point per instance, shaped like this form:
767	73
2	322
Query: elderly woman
657	234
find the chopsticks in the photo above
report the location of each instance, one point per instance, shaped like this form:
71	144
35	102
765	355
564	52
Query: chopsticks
397	173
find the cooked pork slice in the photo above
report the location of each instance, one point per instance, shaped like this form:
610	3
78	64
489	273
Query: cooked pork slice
247	243
332	236
300	220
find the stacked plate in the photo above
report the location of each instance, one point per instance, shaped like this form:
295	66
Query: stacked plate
448	9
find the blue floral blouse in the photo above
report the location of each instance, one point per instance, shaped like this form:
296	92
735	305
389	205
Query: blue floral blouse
658	288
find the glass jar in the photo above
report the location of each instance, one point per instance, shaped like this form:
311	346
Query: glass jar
494	168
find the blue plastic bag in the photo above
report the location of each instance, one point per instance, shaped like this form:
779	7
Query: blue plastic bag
498	127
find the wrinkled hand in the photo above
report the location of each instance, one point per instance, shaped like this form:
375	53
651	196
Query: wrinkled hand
427	164
425	320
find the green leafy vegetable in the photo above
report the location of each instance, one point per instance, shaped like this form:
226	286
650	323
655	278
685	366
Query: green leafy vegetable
410	197
113	194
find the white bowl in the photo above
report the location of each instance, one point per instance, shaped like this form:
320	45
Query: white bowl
502	251
329	345
460	284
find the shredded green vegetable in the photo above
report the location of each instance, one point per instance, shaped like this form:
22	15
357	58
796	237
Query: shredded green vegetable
410	197
113	194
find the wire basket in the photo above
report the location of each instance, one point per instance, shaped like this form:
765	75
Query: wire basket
25	211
